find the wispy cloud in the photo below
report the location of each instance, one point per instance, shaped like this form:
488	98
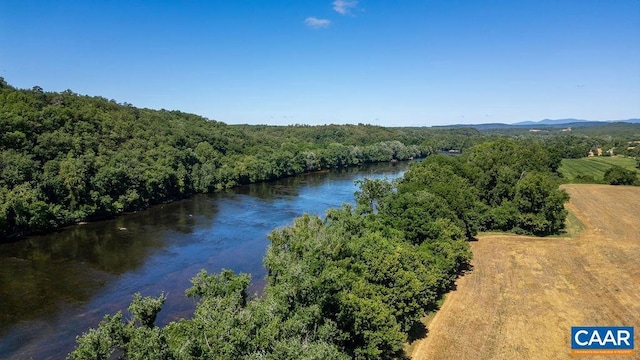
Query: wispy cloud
344	7
317	23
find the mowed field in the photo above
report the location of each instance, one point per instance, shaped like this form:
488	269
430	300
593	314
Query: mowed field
594	166
524	293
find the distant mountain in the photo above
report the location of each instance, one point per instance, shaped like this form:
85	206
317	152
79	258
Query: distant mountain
569	121
549	122
546	123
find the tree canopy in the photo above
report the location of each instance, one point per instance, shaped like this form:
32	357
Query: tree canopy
66	157
617	175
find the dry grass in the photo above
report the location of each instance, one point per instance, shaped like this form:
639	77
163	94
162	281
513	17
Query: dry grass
524	293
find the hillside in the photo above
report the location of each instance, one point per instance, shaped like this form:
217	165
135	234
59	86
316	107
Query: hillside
66	157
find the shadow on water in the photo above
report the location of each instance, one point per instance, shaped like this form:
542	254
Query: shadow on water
55	286
40	272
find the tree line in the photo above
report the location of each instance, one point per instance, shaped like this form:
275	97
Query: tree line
354	283
66	158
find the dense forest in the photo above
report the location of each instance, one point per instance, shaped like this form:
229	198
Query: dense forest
66	158
354	284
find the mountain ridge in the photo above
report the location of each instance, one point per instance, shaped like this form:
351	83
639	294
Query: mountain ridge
548	123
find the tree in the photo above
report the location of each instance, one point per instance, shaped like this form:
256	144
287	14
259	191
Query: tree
540	203
145	309
500	164
446	178
3	84
138	338
418	214
371	194
617	175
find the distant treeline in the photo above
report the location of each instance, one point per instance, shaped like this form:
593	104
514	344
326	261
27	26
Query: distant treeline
354	284
65	158
622	138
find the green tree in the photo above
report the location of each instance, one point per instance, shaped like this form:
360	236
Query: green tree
446	178
617	175
418	214
371	194
540	203
136	339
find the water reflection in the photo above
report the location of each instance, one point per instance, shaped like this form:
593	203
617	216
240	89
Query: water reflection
55	286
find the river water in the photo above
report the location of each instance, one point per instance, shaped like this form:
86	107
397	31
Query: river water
56	286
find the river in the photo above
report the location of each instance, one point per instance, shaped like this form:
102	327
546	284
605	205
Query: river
56	286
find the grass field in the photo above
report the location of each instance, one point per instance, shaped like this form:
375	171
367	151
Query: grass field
594	166
524	293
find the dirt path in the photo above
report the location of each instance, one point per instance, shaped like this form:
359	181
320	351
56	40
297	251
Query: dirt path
524	294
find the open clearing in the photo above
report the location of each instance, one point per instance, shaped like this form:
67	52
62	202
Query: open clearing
594	166
524	293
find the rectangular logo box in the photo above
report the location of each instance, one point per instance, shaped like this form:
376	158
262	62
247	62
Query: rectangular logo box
602	340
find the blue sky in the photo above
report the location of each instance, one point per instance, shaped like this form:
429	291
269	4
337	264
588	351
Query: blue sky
391	63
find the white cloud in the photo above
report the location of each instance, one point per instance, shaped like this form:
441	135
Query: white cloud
343	7
317	23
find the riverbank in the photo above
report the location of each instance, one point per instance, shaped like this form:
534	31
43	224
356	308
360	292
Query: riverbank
91	219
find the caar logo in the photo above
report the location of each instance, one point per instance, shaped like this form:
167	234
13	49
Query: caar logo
602	340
